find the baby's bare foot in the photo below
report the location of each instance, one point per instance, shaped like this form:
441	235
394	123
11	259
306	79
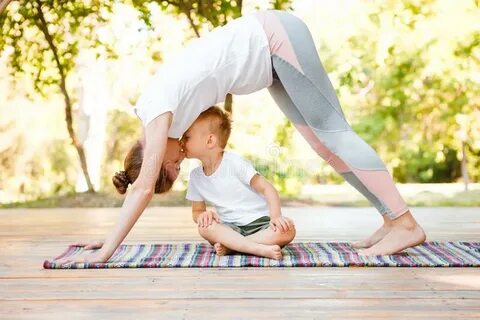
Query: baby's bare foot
272	252
220	249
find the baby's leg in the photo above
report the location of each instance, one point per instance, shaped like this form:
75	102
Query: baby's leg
270	237
265	236
219	233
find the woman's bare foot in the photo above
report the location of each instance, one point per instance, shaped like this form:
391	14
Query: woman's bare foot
220	249
376	236
271	251
405	233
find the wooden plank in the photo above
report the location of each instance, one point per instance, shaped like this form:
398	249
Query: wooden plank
27	237
242	309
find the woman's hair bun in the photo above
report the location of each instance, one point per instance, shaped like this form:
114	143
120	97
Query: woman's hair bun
121	181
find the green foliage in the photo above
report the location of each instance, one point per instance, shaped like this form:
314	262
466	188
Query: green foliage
287	176
285	173
416	111
71	26
47	171
406	111
214	13
122	132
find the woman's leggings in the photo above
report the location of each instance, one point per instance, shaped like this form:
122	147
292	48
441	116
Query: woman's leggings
303	92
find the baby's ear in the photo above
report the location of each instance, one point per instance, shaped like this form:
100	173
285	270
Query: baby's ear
211	140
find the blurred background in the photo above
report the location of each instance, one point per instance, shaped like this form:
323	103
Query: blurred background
406	72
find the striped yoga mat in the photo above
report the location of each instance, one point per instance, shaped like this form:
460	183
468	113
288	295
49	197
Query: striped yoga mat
333	254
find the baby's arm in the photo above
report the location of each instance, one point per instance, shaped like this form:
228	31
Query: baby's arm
198	207
202	216
265	188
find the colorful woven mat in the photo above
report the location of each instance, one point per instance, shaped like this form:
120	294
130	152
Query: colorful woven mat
332	254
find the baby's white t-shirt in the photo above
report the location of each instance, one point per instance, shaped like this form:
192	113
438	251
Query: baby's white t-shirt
233	59
229	190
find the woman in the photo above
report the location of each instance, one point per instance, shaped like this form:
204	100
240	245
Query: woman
271	49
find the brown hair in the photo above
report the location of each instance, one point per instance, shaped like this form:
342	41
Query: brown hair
221	124
132	164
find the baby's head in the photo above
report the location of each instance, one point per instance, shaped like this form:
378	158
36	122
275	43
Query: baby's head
208	134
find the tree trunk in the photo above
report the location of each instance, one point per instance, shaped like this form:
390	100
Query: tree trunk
42	24
92	115
228	103
4	4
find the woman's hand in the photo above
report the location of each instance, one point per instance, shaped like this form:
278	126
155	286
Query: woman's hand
283	224
206	218
89	245
85	257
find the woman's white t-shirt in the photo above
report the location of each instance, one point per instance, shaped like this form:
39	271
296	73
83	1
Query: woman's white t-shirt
233	59
229	190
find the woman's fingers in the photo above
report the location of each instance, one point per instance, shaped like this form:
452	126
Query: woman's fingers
62	261
94	245
89	245
67	261
80	244
84	257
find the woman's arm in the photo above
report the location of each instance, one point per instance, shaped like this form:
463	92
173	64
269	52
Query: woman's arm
142	190
139	194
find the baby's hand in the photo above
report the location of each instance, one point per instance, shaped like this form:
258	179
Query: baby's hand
206	218
283	224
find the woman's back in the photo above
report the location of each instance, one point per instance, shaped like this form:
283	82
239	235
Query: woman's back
230	59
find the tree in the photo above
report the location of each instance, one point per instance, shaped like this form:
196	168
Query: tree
468	132
44	37
419	114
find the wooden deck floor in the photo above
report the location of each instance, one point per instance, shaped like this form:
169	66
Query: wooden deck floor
27	291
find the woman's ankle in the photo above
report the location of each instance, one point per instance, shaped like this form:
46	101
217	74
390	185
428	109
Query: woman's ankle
406	221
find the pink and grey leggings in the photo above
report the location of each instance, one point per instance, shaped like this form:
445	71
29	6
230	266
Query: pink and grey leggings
303	92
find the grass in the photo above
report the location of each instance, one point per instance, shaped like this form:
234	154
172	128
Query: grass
447	195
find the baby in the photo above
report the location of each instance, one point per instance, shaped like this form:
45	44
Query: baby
247	216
